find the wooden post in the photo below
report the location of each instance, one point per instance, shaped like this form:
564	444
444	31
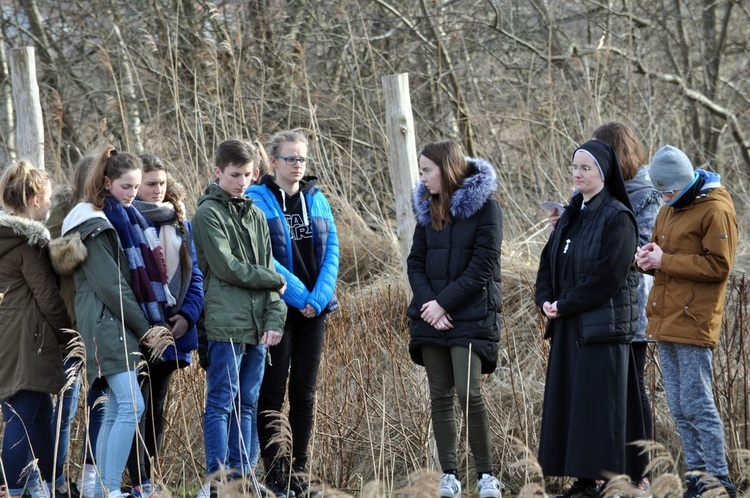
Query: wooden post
29	125
399	126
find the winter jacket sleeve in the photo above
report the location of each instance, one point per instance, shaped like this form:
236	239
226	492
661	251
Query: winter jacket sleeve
543	292
646	217
193	302
38	273
325	284
718	244
415	268
103	275
296	293
487	245
274	314
209	235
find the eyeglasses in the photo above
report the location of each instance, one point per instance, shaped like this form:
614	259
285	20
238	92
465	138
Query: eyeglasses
664	192
582	169
292	160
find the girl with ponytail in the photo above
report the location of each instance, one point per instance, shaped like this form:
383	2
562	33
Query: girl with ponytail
114	255
33	315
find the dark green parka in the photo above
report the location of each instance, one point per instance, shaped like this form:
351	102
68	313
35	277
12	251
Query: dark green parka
108	316
32	313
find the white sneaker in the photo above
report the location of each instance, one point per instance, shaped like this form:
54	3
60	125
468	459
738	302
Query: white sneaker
205	491
88	481
489	486
450	486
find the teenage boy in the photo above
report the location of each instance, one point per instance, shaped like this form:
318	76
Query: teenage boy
691	254
243	310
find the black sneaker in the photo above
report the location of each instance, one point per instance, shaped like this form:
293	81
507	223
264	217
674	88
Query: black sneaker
278	484
579	491
302	486
716	482
692	485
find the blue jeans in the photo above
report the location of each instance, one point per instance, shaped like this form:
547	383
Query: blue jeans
96	414
65	412
27	412
124	410
233	379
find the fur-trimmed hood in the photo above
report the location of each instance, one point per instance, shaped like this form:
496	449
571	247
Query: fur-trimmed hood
68	252
477	187
15	230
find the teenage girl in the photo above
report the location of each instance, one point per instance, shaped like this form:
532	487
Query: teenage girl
32	314
120	295
160	200
306	252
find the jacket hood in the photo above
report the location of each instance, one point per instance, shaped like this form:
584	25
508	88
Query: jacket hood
476	188
711	180
81	212
26	230
215	193
62	195
641	181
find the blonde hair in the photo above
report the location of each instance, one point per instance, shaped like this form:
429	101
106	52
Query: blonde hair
110	164
280	138
20	182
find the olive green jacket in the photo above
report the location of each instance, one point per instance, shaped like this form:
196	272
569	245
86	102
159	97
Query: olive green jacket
108	316
240	283
31	310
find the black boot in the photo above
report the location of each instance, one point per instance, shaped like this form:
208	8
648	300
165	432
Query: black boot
302	485
278	482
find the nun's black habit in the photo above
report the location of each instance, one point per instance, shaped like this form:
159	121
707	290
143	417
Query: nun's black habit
591	401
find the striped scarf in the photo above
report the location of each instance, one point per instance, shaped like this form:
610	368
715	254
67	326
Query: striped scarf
145	260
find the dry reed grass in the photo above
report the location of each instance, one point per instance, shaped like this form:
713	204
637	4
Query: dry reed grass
372	429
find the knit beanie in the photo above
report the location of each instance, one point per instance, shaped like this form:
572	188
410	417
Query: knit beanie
670	169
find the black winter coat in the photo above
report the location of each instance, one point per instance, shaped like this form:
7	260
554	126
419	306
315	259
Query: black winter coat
459	266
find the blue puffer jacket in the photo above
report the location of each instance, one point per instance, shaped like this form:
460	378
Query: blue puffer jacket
190	309
326	242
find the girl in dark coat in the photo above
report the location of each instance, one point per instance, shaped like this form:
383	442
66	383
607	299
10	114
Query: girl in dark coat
32	315
588	292
454	272
160	200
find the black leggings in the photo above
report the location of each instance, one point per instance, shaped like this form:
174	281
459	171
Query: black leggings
154	389
297	356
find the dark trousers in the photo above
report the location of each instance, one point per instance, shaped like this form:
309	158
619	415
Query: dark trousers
297	357
452	371
640	348
154	389
28	431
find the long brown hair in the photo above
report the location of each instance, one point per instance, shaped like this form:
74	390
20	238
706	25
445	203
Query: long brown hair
20	182
450	159
175	192
628	148
110	164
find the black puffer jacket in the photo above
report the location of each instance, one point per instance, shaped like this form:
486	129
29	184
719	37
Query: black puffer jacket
459	267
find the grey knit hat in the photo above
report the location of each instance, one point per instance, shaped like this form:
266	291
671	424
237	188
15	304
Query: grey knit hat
670	169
